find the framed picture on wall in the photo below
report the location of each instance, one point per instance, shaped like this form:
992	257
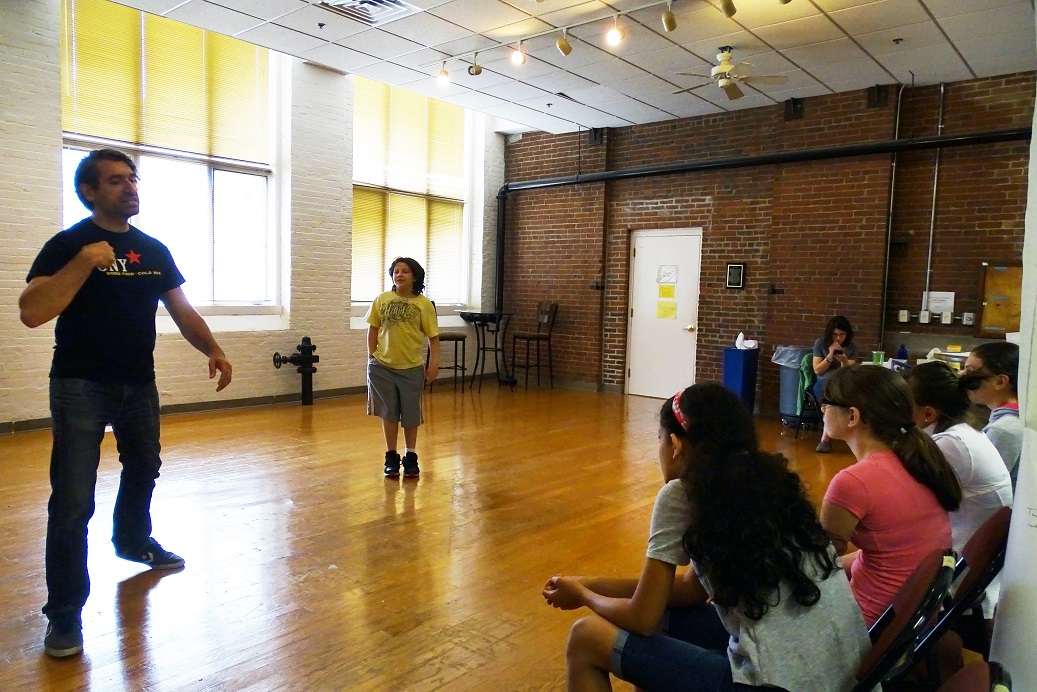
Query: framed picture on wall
735	276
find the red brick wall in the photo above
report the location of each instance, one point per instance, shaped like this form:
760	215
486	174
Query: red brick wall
812	234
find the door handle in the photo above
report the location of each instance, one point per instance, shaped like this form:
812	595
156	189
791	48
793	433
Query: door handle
690	328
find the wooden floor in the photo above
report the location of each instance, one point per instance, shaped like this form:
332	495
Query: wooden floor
306	570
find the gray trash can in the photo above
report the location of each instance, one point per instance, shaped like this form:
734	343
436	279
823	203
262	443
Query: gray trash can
790	397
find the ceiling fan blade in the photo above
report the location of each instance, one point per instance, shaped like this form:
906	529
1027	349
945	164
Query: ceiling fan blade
693	74
732	90
689	89
766	79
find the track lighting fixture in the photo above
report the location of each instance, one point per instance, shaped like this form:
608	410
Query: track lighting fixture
669	21
562	44
728	6
784	2
615	35
517	56
443	77
475	69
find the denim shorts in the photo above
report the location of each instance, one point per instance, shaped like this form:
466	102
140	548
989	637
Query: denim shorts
689	653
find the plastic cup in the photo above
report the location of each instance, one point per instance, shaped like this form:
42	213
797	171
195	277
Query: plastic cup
878	357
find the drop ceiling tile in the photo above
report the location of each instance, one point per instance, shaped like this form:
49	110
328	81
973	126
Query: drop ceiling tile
876	16
913	37
213	17
334	55
426	60
637	112
531	68
699	23
681	105
152	6
1009	64
582	54
563	108
966	27
513	91
280	39
465	45
801	92
426	29
744	45
309	19
638	39
952	8
389	73
864	70
1004	46
818	55
478	16
799	32
609	71
575	14
264	9
475	101
929	65
429	86
669	60
517	30
527	116
642	87
559	80
551	7
380	44
761	14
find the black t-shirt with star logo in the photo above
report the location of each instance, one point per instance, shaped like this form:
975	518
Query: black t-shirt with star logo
107	333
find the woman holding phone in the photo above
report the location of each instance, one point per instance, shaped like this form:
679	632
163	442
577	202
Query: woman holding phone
831	352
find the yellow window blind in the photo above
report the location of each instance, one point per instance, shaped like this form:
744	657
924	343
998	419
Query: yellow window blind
371	131
405	228
445	225
445	149
144	79
100	70
368	243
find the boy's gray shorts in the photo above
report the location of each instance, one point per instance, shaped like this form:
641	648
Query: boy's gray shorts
395	395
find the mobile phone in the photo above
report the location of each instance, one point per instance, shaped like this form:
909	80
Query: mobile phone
838	351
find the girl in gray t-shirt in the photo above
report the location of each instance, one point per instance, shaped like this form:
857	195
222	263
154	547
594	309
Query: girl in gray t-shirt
757	555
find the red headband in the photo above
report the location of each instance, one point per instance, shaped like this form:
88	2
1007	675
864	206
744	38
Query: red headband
681	418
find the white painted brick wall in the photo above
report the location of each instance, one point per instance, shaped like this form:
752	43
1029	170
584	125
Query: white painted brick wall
318	238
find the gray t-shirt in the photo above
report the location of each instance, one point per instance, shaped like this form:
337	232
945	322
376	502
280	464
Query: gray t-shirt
805	649
1005	430
821	351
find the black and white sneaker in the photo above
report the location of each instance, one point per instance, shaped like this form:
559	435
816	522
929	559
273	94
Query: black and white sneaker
153	555
64	636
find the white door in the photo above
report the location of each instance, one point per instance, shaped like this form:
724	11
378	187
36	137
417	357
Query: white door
663	313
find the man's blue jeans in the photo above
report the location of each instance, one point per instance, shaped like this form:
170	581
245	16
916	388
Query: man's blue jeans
80	410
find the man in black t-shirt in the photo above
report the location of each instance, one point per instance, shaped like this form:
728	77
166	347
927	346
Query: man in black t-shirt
102	279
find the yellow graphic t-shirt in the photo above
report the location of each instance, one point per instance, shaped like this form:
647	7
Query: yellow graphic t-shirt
403	325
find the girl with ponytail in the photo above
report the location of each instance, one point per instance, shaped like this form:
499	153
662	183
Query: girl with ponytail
762	603
943	409
893	503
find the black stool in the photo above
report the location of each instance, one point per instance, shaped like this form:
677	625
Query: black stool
456	338
546	314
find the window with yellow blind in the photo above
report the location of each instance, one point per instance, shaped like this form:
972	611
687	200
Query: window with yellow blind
191	108
408	190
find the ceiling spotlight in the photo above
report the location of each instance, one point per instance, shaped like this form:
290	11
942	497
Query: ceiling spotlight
669	21
784	2
728	6
475	69
615	35
562	44
517	56
444	77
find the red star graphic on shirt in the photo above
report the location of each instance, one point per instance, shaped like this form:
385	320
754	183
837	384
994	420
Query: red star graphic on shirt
133	257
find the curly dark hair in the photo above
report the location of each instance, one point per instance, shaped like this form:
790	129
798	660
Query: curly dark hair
752	526
842	324
415	268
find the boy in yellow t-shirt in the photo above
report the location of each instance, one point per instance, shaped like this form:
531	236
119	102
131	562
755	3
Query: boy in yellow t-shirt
401	320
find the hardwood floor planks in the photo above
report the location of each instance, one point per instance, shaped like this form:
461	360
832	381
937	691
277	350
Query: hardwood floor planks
306	570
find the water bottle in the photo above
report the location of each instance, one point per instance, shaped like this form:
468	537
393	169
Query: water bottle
902	352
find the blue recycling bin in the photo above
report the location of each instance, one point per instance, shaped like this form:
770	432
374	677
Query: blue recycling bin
740	367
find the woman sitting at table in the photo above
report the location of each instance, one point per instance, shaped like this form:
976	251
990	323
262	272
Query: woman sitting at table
831	352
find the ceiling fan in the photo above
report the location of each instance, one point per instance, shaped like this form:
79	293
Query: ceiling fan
725	76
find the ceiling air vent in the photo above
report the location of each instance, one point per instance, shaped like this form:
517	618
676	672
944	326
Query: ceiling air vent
371	12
